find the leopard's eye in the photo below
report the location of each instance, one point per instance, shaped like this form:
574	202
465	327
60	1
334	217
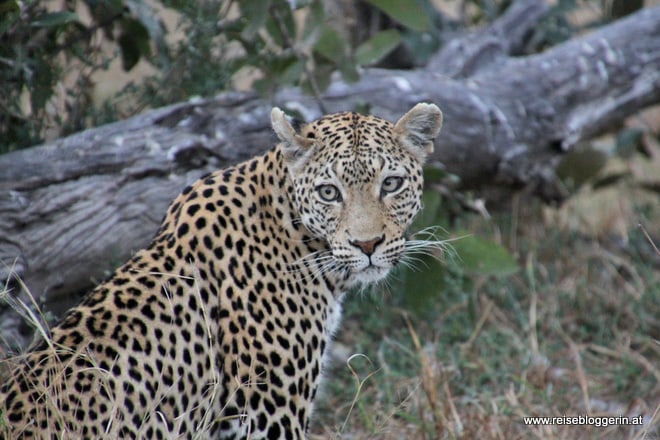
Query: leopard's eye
391	184
329	193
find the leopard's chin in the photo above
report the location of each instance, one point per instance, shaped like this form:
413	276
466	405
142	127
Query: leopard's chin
370	274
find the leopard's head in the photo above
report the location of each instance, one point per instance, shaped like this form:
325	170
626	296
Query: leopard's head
357	184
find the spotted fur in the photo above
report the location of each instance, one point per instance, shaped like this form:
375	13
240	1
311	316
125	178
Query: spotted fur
219	328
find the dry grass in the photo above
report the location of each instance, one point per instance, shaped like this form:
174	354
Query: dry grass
51	390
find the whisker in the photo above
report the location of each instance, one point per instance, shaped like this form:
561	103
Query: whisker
435	248
314	257
321	269
413	263
431	232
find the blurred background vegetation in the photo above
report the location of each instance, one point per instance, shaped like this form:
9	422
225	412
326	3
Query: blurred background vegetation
67	65
533	310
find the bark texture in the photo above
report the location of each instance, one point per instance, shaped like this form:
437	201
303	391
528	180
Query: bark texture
73	209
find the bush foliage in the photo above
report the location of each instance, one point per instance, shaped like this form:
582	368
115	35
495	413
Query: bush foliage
48	57
50	52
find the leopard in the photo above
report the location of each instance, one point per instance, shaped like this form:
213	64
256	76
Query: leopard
221	326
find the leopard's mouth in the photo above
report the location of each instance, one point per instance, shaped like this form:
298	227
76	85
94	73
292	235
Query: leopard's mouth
370	274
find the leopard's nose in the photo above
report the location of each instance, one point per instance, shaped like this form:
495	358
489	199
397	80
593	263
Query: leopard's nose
368	246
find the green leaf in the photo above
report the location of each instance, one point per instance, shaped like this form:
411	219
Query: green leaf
293	73
281	26
104	12
422	45
134	42
422	285
313	20
287	69
580	165
255	13
483	257
434	174
150	19
408	13
52	19
377	47
628	142
42	84
331	45
322	73
362	107
263	87
428	216
349	72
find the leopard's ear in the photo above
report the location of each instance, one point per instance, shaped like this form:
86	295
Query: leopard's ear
417	129
294	146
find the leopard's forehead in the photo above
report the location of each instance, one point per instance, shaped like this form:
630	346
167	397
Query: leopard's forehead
353	148
350	134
